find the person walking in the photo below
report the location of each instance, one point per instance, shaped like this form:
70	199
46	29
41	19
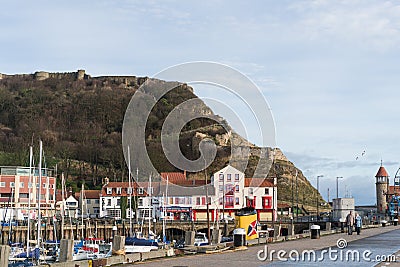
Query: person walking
358	223
350	223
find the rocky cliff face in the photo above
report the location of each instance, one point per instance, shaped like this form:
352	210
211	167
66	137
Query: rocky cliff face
80	118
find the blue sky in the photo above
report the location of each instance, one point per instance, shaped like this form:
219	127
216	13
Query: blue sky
329	69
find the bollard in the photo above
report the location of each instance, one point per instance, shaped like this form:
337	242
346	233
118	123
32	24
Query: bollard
383	222
239	237
189	238
118	245
341	220
315	231
216	236
395	222
66	250
5	252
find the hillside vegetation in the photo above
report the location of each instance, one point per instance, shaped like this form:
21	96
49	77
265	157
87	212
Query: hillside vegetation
79	119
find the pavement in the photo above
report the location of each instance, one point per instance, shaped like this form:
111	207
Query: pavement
380	241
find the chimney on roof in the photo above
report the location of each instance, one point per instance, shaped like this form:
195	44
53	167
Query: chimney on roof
184	173
106	181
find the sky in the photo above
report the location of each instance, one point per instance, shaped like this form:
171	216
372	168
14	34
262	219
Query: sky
328	69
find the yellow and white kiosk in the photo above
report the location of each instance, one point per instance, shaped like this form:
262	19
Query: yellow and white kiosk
246	218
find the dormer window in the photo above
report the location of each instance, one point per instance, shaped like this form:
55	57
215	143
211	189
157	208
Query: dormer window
109	190
129	190
119	190
140	190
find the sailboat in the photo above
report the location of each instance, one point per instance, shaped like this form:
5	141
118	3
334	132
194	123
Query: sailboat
96	248
137	243
21	257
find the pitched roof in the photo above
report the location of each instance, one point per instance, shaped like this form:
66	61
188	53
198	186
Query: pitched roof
382	172
174	177
92	194
257	182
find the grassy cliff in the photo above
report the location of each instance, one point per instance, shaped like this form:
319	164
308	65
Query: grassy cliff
79	118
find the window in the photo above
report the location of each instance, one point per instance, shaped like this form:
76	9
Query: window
52	186
221	176
250	190
237	188
2	184
221	188
109	202
229	189
236	176
129	190
229	177
119	190
266	191
109	190
203	200
118	202
267	202
21	185
236	201
140	190
12	184
96	210
44	185
96	201
229	202
140	202
88	201
29	185
198	201
114	213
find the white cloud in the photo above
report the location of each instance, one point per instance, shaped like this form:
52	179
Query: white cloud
372	23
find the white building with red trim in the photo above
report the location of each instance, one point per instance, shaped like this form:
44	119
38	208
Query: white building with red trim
174	197
113	193
233	192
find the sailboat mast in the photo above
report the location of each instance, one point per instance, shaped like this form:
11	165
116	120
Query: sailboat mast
63	206
150	216
82	203
29	199
40	194
165	199
130	192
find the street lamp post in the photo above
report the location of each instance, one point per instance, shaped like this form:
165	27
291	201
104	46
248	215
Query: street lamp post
337	186
319	176
396	181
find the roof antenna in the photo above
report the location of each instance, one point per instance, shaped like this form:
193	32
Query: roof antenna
381	162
